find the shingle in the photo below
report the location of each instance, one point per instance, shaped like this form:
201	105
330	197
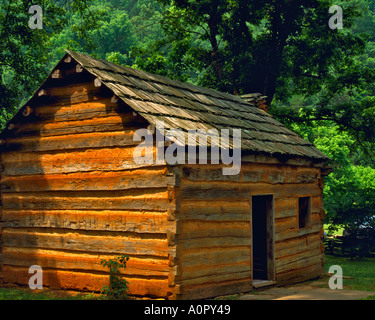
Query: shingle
185	106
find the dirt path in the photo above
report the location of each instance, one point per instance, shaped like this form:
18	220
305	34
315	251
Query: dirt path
315	290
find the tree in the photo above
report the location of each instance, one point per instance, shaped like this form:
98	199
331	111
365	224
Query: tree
25	52
349	192
348	95
268	46
278	48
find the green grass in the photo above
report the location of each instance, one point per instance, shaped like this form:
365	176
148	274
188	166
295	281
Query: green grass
27	294
362	272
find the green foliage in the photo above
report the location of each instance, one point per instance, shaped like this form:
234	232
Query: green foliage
274	47
118	287
349	192
320	82
22	50
25	53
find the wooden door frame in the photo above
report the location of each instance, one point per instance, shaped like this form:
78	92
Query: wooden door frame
271	272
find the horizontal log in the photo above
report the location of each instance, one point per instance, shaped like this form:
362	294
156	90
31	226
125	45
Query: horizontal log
134	199
235	191
288	207
201	278
285	207
215	289
142	178
280	174
214	256
293	233
75	141
52	259
79	111
250	159
212	242
58	128
105	159
83	241
195	273
266	173
299	261
286	224
303	274
85	281
296	245
101	220
207	229
215	210
74	90
213	192
207	173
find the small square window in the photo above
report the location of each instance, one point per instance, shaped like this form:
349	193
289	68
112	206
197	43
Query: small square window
304	212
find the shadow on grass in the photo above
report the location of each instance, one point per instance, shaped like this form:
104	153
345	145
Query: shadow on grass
45	294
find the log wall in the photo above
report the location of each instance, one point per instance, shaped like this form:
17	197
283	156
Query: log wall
72	194
214	214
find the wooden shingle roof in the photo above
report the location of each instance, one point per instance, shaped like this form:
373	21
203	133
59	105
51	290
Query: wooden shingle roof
185	106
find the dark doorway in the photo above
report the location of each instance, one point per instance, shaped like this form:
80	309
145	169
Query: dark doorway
262	237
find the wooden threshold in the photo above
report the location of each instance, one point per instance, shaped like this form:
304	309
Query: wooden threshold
257	284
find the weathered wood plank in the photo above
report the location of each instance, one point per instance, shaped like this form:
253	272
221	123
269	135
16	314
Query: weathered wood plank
104	159
212	242
104	242
214	289
200	229
84	281
226	275
296	245
215	210
78	111
295	276
134	199
286	224
298	261
142	178
213	256
285	207
52	259
278	174
101	124
75	141
101	220
293	233
195	272
235	191
74	90
207	173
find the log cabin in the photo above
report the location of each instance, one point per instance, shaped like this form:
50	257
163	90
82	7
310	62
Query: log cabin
72	194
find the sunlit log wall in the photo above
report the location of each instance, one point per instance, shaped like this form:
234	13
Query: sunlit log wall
72	194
